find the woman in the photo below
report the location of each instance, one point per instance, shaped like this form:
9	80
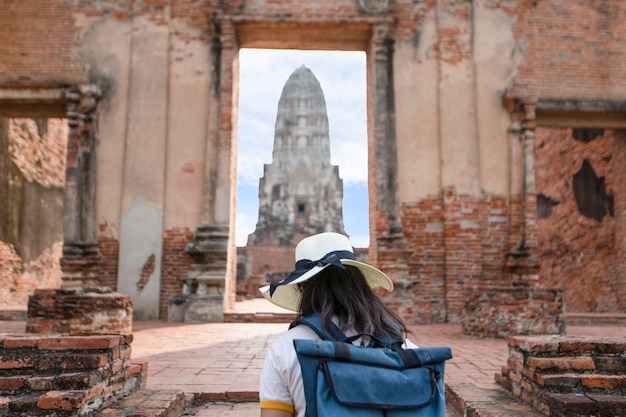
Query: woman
330	282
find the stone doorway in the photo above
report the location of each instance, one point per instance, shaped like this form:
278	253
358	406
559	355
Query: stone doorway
371	37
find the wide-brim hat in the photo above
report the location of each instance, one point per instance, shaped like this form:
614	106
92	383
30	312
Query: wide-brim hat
313	255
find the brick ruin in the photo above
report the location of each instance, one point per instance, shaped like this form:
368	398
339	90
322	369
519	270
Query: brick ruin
568	377
497	158
495	162
53	375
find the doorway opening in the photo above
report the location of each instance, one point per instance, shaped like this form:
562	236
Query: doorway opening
262	76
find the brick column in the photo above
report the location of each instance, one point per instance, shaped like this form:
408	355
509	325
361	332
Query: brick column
80	246
521	263
382	137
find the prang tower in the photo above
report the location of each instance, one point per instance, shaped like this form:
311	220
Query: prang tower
300	192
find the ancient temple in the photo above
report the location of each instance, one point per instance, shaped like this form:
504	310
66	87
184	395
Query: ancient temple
496	155
300	193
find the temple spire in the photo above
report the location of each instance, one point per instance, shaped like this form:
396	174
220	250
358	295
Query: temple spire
300	192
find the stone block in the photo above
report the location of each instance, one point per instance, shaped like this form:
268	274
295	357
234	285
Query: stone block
197	308
572	405
610	404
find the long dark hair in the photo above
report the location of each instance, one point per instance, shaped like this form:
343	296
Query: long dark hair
345	294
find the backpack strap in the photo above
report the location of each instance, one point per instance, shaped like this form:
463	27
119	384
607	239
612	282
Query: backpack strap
314	321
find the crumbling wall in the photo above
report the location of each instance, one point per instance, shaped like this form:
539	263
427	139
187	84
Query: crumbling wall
578	249
31	222
446	194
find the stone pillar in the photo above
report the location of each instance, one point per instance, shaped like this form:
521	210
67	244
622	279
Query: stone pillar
80	247
202	299
521	263
81	306
382	137
205	288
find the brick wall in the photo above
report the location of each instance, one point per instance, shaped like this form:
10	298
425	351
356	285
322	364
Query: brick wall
566	376
65	375
36	150
174	264
109	249
20	280
79	311
568	51
420	294
573	49
503	311
36	40
579	253
451	244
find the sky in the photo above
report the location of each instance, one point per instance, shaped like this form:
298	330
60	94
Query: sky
342	76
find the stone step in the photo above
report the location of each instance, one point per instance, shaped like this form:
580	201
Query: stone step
583	383
584	405
469	400
608	365
148	403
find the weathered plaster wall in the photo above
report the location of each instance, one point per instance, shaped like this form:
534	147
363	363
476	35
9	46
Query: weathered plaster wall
156	67
104	47
417	111
496	57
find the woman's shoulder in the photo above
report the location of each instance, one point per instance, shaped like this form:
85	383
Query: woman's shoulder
300	331
282	347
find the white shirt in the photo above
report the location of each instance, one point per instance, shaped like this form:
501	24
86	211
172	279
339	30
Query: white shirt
281	379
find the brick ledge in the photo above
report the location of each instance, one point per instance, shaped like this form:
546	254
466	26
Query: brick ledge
595	319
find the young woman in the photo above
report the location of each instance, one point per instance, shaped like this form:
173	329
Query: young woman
329	281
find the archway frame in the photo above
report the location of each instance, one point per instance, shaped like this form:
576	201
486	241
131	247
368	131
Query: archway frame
371	35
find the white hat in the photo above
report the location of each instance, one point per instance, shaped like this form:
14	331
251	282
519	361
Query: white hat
313	254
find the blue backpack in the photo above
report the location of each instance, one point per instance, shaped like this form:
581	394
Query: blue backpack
383	379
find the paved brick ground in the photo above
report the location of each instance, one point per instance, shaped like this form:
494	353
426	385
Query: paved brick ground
221	362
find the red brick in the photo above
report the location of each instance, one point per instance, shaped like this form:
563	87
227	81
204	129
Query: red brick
82	361
12	383
16	362
563	364
41	383
611	364
19	342
79	342
609	405
61	400
611	382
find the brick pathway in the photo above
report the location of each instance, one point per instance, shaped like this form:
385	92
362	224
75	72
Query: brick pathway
222	362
